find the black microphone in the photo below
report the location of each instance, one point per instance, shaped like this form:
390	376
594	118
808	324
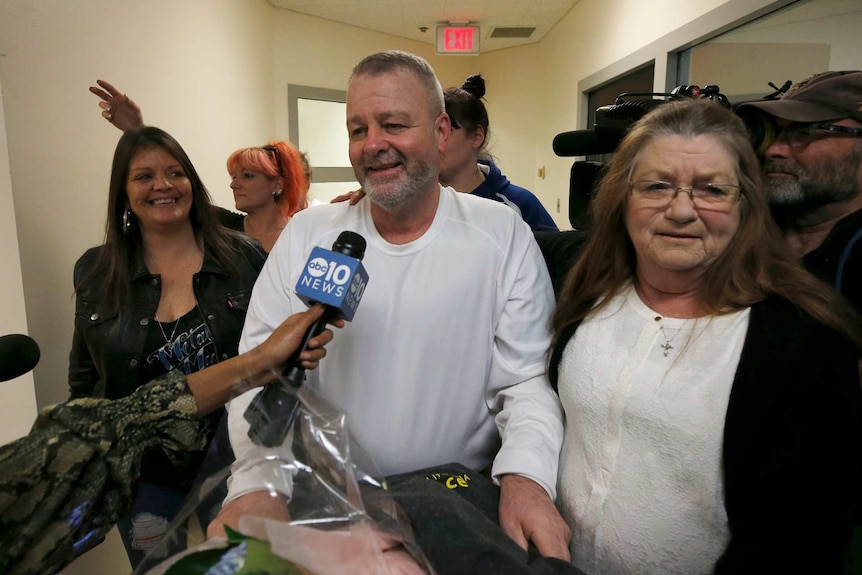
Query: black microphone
584	143
337	279
18	355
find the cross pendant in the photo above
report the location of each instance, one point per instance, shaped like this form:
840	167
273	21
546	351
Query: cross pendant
667	347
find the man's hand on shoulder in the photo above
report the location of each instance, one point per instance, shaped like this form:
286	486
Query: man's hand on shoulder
353	196
527	515
258	503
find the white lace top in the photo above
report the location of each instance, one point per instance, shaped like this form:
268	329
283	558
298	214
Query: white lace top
640	472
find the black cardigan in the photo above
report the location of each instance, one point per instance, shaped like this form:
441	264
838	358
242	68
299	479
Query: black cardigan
792	444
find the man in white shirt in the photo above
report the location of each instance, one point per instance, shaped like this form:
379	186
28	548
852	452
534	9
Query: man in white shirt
445	358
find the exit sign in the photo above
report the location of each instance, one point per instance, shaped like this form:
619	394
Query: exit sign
457	39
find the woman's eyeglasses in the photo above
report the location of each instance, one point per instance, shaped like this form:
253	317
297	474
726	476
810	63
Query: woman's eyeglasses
710	196
274	151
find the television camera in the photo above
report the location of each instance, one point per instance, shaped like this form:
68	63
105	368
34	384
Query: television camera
613	122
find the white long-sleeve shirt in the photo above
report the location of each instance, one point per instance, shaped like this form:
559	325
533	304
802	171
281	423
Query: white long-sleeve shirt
446	353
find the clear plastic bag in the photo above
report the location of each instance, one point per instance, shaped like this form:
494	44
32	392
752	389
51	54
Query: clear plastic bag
340	517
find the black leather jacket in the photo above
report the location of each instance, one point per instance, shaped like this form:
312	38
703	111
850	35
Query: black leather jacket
107	350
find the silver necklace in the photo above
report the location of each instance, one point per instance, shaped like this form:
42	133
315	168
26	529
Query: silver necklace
174	332
254	232
666	346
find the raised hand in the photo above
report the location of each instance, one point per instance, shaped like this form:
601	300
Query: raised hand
117	108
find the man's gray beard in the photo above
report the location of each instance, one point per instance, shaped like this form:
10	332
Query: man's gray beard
785	192
418	181
826	183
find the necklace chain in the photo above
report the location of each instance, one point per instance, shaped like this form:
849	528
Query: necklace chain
666	346
174	332
255	232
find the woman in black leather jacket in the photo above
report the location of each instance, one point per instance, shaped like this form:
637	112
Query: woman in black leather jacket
167	290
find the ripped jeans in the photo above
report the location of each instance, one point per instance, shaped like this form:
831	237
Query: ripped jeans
153	509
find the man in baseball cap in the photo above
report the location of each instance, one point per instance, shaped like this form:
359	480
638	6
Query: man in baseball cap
811	143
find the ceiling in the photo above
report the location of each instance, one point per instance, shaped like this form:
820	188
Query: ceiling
405	18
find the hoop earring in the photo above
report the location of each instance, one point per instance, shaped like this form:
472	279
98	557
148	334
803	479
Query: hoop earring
127	222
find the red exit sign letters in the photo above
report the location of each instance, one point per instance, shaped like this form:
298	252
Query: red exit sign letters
457	39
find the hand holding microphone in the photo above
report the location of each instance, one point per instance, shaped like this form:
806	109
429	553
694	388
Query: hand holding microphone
336	279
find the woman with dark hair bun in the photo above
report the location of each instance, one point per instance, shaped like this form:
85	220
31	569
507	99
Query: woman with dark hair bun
467	166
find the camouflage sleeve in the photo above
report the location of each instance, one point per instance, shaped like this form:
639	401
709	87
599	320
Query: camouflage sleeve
63	485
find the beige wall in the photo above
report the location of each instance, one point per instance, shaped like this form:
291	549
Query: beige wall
214	73
17	397
824	36
304	54
202	69
737	67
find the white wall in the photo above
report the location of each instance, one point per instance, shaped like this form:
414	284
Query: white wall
835	23
201	69
17	397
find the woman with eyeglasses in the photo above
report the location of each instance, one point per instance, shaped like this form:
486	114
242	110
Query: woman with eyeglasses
167	291
710	384
268	182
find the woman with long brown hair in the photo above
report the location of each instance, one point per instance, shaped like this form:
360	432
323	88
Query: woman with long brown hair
168	290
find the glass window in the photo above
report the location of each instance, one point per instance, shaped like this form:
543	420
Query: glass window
801	39
317	119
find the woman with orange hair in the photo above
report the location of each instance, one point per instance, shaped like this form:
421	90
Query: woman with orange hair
268	182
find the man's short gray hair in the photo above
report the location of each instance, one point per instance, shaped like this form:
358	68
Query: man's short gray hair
394	60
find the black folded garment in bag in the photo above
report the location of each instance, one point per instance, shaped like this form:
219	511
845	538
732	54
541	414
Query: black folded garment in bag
453	512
